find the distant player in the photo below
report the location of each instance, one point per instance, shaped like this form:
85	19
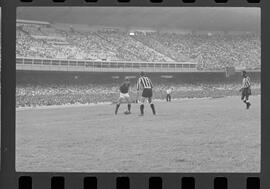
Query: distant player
124	96
145	84
169	93
245	89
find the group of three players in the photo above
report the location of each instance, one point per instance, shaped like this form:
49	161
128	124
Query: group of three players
145	84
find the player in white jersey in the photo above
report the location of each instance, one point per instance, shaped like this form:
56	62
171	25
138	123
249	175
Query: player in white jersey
169	94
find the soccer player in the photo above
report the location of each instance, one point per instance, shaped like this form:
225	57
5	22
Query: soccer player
169	92
245	89
124	96
145	84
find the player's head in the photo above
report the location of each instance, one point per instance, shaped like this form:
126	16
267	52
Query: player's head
142	74
127	80
244	73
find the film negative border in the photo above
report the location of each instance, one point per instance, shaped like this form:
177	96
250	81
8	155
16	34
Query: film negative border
12	179
248	3
124	182
131	1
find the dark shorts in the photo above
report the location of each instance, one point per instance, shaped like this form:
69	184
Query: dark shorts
147	93
246	92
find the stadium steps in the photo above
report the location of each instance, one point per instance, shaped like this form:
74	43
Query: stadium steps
160	51
115	44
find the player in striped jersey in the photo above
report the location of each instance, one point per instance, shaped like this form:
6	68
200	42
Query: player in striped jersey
245	89
145	84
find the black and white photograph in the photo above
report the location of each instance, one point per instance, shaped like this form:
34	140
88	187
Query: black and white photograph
138	89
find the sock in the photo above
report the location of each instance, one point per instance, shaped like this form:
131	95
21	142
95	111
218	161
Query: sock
129	107
153	108
141	108
117	107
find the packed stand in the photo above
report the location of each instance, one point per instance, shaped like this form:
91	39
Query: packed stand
215	51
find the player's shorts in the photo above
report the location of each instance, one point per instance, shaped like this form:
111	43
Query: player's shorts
147	93
124	95
245	93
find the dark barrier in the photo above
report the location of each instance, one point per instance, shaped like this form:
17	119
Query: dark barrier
35	77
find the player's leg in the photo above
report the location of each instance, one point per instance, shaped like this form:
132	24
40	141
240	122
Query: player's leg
152	105
247	101
128	99
129	106
170	98
243	97
118	105
150	95
167	97
142	105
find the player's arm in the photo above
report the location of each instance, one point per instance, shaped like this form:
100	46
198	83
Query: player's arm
138	89
138	85
242	86
151	84
248	80
241	89
121	86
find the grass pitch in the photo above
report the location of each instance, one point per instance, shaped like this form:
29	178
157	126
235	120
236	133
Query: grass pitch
196	135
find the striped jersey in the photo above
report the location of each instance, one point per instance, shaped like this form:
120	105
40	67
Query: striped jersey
144	83
246	82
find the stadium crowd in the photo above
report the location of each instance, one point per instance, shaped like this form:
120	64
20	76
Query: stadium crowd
61	94
210	51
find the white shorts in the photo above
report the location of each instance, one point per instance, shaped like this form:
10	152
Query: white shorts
124	95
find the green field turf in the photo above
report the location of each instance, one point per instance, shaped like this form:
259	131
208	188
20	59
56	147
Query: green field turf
196	135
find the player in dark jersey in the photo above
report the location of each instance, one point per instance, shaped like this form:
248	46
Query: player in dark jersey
245	89
145	84
124	96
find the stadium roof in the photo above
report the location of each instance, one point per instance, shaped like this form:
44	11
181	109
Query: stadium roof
158	18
